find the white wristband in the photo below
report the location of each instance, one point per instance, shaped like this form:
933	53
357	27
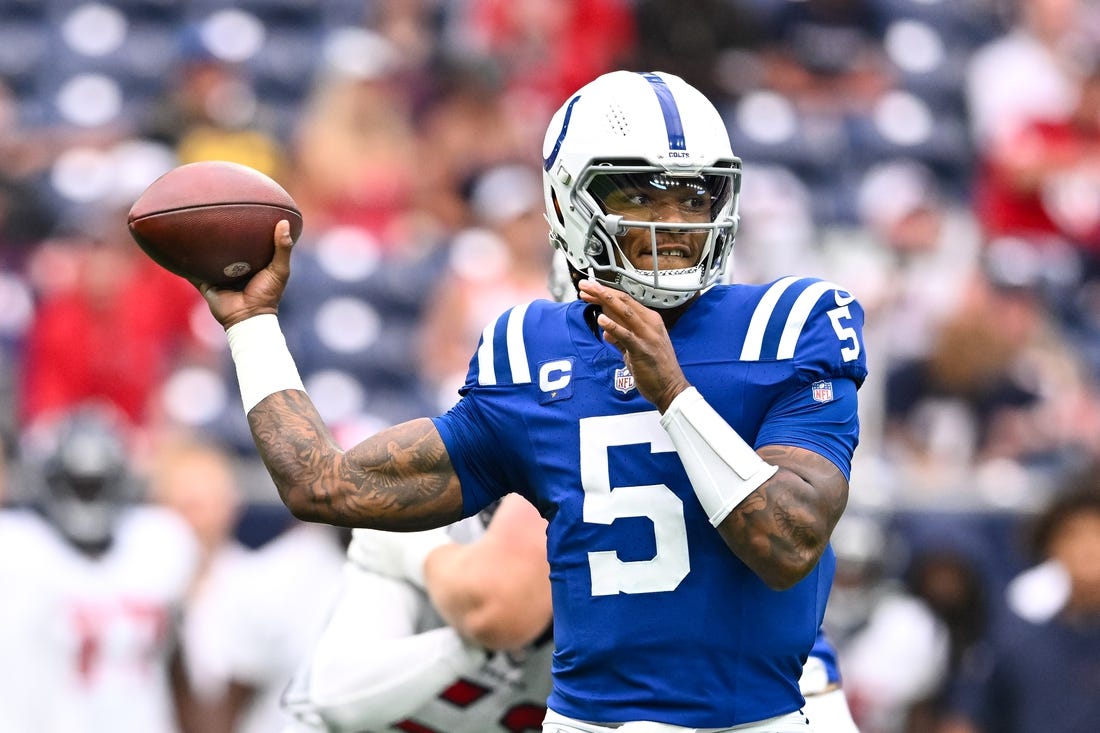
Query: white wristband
264	364
723	468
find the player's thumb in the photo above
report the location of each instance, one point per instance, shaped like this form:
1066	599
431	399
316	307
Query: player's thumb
284	242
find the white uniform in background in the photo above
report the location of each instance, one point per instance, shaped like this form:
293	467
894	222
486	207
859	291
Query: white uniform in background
202	629
84	640
272	609
388	663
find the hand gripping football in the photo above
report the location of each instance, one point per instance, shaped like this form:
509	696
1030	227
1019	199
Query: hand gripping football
212	221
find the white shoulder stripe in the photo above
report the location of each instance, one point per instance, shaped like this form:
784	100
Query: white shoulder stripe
486	372
517	349
800	311
754	338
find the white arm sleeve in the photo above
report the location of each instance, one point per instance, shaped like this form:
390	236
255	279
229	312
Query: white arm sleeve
369	669
399	555
723	468
263	362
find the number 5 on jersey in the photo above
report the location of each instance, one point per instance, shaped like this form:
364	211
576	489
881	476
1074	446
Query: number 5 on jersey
657	502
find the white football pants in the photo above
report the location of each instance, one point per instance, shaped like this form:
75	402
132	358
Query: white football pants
794	722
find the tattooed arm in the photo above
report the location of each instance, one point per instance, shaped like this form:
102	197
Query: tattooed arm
781	529
398	479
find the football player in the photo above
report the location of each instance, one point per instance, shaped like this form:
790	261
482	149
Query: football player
387	660
93	582
688	442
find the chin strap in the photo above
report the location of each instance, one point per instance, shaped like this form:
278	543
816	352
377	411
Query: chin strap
723	468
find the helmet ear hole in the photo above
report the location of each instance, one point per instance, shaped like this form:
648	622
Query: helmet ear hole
557	207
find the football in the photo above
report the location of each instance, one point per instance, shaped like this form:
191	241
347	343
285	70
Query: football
212	221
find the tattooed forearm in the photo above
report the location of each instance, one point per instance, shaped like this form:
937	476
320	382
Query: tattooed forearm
292	441
400	478
782	528
798	531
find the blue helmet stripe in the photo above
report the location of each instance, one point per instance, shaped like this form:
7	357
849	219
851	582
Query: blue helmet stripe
673	124
549	162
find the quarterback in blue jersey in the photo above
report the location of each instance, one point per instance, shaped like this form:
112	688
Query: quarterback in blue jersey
689	442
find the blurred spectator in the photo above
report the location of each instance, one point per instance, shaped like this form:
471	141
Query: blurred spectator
827	55
1036	676
703	46
1043	181
108	323
411	26
502	261
893	647
21	222
915	261
210	111
1030	72
823	100
549	48
25	218
468	97
354	145
949	581
93	582
985	416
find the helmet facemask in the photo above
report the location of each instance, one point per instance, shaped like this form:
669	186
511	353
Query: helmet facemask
650	215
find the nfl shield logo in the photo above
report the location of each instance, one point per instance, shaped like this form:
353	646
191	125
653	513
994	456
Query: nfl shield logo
822	391
624	380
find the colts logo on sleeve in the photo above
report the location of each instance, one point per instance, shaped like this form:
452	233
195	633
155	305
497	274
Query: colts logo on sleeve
822	391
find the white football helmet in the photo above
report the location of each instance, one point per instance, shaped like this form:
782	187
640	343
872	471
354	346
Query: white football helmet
624	130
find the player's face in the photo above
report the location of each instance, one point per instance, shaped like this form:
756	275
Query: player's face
664	201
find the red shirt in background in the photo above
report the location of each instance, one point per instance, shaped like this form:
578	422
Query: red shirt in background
111	334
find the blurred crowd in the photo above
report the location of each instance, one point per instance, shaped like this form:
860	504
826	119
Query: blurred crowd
941	158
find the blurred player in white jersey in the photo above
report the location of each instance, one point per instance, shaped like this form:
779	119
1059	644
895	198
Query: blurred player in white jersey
410	644
276	608
92	582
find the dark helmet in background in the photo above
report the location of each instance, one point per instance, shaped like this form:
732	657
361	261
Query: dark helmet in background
83	461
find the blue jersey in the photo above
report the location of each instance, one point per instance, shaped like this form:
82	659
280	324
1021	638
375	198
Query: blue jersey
654	617
824	651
